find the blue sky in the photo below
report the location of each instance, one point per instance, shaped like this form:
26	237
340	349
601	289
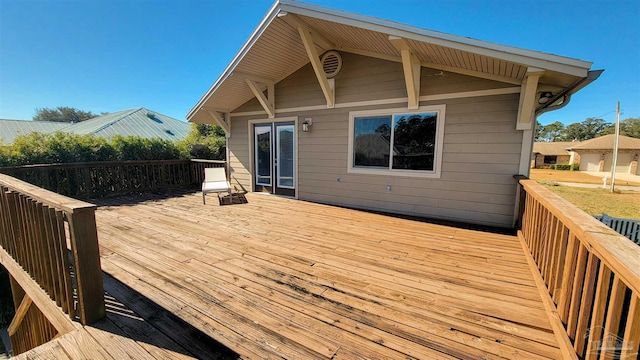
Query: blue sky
163	55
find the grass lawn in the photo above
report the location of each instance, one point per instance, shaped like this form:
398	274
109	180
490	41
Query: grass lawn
573	176
622	204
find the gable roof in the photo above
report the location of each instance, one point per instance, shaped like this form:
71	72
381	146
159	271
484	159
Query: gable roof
276	50
606	142
552	148
133	122
11	129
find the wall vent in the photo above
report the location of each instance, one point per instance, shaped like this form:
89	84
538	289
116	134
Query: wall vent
331	63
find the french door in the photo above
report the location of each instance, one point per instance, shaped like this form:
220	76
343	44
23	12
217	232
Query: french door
274	158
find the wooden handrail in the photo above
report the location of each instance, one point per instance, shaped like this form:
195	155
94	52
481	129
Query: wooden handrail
33	248
588	270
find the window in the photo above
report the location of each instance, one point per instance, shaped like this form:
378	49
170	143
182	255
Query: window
550	159
397	141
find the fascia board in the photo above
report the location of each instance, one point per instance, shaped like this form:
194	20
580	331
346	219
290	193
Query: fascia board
272	14
522	56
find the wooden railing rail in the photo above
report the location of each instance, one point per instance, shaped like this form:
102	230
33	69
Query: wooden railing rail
110	178
591	275
49	245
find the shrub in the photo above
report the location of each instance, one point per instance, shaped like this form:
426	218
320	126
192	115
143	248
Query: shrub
570	167
204	142
39	148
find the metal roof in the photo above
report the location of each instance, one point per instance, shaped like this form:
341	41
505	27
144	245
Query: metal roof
133	122
11	129
275	50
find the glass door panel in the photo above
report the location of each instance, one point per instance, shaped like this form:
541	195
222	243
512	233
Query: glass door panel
263	155
285	154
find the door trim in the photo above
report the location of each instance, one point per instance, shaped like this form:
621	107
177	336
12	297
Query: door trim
250	135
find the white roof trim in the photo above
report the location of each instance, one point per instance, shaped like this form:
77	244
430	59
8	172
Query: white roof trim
522	56
273	12
509	53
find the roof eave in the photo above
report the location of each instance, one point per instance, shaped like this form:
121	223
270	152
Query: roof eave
557	63
273	12
526	57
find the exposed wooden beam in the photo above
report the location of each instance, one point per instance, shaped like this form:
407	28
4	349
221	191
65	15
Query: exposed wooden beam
411	67
25	304
264	101
527	105
217	118
327	89
318	38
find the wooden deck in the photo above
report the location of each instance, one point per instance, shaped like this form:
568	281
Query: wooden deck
281	278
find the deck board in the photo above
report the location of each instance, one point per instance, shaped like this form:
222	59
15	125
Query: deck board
284	278
281	278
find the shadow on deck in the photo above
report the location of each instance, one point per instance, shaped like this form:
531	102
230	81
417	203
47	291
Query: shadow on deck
134	328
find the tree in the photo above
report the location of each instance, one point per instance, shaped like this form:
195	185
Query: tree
539	130
573	132
552	132
63	114
588	129
594	127
204	141
630	127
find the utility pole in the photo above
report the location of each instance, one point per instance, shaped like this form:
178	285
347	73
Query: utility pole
615	148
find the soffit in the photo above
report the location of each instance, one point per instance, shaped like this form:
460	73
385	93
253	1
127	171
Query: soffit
276	51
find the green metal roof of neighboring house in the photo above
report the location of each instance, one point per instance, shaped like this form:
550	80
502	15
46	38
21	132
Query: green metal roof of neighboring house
10	129
135	122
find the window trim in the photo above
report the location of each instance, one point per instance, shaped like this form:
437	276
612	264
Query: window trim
437	161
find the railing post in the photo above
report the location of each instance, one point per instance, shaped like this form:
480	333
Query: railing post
521	196
84	244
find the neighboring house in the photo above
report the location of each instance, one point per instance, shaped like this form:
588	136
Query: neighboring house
597	154
135	122
458	113
546	154
11	129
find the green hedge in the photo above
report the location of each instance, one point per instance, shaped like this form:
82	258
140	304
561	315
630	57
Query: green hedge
39	148
570	167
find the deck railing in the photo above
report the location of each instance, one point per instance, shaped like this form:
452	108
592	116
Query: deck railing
111	178
49	245
629	228
591	274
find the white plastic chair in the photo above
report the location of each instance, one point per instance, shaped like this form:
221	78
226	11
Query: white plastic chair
215	181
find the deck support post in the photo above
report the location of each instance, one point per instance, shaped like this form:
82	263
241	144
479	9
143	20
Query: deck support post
84	244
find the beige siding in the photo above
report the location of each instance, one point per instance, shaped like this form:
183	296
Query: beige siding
481	149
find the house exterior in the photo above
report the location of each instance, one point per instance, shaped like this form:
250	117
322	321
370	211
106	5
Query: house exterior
133	122
339	108
597	154
546	154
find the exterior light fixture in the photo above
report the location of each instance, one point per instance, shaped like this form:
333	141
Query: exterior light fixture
545	97
306	123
